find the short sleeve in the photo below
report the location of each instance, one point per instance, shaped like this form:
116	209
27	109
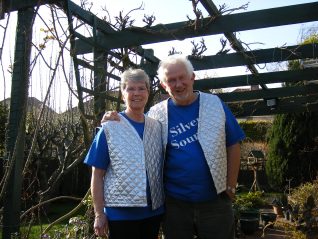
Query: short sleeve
98	155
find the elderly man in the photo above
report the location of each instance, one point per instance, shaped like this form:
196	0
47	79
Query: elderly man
202	148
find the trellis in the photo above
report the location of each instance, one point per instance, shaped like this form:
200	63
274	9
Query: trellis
105	39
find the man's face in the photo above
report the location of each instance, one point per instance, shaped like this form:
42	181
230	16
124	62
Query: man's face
179	84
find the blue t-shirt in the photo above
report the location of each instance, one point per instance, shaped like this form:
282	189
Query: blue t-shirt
98	156
187	175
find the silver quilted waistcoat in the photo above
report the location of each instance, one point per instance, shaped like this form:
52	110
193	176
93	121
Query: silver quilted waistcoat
211	134
131	161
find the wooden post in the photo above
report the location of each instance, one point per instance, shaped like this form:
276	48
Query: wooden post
16	125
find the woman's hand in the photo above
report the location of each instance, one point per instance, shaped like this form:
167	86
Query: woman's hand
110	115
101	225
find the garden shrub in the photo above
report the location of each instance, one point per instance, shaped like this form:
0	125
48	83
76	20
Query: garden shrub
250	200
300	194
291	149
255	130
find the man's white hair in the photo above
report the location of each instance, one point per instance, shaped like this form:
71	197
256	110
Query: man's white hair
173	60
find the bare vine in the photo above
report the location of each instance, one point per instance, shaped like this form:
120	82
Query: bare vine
223	9
149	20
173	51
198	48
223	45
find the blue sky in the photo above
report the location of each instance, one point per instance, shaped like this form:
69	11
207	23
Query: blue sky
165	11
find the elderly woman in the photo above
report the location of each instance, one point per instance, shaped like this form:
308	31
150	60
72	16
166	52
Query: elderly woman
127	163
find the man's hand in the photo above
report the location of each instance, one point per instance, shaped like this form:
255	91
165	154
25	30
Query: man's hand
101	225
230	194
110	115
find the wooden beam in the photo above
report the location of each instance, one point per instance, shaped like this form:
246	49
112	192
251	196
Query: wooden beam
273	111
90	18
14	5
277	54
274	93
258	104
288	105
136	36
262	78
103	27
233	41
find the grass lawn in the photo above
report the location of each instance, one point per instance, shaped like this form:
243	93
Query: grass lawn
54	211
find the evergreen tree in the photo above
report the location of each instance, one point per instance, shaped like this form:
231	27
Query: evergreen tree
293	149
293	144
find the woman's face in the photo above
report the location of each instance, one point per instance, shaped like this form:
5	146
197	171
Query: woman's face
136	95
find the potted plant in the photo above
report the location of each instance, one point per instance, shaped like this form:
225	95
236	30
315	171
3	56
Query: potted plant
247	207
268	218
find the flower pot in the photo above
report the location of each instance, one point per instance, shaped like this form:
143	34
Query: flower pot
268	217
249	225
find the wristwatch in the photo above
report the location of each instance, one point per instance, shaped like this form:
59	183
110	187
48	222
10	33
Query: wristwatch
232	190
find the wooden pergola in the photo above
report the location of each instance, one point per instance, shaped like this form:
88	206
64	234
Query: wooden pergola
105	40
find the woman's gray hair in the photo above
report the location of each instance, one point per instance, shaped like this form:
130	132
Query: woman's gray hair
173	60
134	75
